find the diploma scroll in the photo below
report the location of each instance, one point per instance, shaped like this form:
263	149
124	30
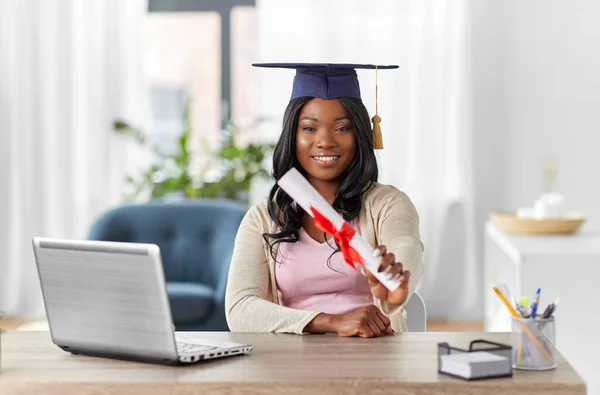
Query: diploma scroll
351	243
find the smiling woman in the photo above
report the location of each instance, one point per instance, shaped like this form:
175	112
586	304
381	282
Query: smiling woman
325	142
288	276
330	142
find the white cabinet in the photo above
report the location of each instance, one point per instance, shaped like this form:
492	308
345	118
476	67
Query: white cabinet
569	265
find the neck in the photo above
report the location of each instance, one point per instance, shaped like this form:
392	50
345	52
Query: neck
327	189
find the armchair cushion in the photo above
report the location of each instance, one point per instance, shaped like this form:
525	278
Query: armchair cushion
196	239
190	302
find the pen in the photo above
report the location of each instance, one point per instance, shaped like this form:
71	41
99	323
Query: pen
534	305
551	308
524	327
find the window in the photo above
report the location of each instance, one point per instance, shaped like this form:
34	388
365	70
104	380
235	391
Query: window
201	50
182	61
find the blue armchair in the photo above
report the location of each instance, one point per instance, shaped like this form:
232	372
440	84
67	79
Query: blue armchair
196	239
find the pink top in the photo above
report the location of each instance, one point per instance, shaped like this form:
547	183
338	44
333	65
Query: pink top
308	283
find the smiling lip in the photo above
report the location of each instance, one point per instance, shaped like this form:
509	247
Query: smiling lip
326	160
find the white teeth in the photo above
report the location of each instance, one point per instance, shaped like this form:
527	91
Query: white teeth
325	158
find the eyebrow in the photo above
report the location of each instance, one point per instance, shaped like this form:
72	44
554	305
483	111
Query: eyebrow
317	120
341	119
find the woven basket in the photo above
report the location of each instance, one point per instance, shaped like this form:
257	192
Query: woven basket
510	223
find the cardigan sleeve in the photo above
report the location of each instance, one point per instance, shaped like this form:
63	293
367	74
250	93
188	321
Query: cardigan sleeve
398	230
248	307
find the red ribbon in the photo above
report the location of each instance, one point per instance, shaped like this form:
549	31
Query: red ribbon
342	237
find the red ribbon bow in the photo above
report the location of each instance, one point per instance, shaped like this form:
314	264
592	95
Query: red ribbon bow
342	237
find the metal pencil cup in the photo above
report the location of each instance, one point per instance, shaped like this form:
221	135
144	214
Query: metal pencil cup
533	343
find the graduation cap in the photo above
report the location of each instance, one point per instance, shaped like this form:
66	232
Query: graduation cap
331	81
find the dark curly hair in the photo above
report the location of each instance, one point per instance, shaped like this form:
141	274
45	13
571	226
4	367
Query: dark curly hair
355	180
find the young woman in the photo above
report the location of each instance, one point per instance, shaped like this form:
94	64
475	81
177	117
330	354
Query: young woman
288	276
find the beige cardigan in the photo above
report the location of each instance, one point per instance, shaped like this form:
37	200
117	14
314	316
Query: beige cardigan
253	302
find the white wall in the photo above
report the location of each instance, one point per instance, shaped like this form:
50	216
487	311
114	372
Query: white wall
537	93
554	96
489	123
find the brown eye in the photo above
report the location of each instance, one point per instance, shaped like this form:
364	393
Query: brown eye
308	129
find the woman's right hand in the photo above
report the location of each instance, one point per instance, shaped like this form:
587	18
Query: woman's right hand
366	321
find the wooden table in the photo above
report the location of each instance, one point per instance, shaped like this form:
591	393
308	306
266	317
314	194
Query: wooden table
280	364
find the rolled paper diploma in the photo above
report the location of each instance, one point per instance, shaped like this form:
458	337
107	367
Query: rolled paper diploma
299	189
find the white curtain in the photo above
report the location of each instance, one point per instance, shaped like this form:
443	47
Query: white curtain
425	107
439	156
68	68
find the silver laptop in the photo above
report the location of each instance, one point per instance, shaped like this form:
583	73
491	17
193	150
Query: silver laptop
109	299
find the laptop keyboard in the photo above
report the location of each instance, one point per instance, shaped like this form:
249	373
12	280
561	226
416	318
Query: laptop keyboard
189	348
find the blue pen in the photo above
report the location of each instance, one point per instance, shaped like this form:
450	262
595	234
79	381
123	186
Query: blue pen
534	305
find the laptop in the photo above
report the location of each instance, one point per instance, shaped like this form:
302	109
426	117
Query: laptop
109	299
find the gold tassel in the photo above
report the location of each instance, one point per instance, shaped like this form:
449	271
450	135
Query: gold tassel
377	137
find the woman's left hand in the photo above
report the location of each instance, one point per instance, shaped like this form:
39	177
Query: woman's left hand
391	269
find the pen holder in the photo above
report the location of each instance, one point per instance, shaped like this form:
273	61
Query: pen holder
533	343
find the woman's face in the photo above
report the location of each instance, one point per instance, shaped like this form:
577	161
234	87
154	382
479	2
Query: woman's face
325	144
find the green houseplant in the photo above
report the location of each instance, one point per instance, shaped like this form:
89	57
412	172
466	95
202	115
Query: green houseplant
226	173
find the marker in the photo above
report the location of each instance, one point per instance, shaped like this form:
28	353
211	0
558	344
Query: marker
524	306
551	308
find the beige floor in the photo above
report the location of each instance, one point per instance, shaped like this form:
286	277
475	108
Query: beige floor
11	323
433	325
444	325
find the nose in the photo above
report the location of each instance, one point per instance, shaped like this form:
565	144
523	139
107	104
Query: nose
325	139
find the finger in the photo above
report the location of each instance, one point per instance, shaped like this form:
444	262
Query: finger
384	318
379	251
389	330
404	278
380	323
373	326
379	319
372	279
365	272
386	261
395	272
365	331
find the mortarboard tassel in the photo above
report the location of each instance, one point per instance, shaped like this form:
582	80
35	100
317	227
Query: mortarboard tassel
377	137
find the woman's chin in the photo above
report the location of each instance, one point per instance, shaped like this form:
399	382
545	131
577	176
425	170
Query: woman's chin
324	175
